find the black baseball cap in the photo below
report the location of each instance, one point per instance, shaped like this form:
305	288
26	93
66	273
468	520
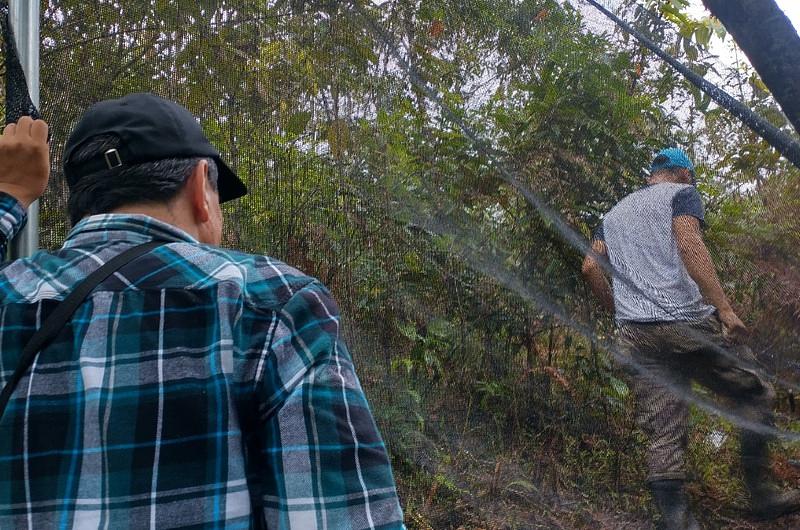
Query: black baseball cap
149	128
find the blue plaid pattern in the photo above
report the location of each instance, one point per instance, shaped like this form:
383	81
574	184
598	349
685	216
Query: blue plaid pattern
196	388
12	218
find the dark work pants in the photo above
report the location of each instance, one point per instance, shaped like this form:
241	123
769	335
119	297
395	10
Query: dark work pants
675	354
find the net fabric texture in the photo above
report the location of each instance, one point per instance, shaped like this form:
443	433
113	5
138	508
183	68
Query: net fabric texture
418	160
17	96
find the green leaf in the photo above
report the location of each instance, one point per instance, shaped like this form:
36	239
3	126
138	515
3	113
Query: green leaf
620	388
408	330
690	49
524	484
297	122
704	103
703	35
413	262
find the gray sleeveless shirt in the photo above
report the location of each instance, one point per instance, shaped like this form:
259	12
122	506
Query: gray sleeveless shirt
651	283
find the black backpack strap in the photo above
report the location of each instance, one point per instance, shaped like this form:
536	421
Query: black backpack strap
53	325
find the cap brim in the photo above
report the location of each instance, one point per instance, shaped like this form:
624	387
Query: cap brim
229	185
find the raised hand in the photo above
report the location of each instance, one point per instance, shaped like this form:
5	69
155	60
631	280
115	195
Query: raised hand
24	160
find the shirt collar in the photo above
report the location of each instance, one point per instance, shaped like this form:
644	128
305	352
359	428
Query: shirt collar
123	227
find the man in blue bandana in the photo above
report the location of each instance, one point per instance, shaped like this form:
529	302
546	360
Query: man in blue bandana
678	327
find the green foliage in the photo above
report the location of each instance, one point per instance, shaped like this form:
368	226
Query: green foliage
489	404
695	33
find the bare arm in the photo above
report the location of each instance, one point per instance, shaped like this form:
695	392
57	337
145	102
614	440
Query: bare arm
700	267
595	276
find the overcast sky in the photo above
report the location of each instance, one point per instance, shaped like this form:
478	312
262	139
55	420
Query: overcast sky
790	7
597	22
724	49
792	10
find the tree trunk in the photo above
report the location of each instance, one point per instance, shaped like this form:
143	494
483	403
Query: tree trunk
769	40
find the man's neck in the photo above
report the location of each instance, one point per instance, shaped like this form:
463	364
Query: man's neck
164	213
664	180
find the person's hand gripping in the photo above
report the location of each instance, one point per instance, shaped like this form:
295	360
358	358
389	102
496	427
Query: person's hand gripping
24	160
732	327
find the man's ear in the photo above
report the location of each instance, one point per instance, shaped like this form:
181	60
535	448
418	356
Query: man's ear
198	191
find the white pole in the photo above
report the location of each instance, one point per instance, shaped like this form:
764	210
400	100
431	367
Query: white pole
24	18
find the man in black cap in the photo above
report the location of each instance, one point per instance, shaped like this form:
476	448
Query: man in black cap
193	386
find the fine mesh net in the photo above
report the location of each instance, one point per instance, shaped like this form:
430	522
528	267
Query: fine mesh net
441	166
17	98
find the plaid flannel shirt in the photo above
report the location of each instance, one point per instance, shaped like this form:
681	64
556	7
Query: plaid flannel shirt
191	386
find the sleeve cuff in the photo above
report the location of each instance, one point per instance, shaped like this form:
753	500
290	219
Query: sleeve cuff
599	234
12	216
688	202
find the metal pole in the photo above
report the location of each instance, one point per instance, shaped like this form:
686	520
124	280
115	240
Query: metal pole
24	17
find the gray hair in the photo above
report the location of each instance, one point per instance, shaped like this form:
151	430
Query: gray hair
149	182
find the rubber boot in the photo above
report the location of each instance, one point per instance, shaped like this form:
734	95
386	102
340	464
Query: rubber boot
767	500
673	506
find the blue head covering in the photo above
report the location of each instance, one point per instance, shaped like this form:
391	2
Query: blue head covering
672	157
669	158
